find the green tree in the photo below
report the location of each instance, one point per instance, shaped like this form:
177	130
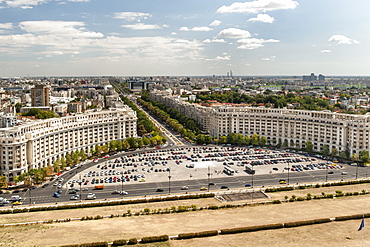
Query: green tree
247	140
223	139
231	138
309	146
263	141
334	152
364	156
3	183
354	157
325	150
255	139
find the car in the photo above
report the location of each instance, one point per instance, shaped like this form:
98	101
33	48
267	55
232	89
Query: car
275	169
247	185
344	173
115	192
184	187
17	203
224	187
90	196
59	191
16	191
203	188
211	183
123	193
56	184
282	181
45	185
159	190
56	195
75	197
59	186
330	172
85	189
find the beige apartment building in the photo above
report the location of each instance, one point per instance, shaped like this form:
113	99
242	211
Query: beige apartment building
292	128
38	144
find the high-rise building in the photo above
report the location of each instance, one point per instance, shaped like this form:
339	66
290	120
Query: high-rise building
321	77
40	95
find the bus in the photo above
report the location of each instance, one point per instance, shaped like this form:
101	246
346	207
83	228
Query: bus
228	170
250	169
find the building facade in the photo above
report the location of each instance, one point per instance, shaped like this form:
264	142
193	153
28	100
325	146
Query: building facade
40	143
40	95
285	127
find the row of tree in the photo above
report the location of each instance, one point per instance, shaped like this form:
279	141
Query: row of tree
163	112
276	101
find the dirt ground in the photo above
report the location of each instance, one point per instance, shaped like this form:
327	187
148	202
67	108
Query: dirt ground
328	234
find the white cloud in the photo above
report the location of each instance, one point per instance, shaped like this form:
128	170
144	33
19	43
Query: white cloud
326	51
214	41
258	6
253	43
197	29
79	0
262	18
7	25
234	33
215	23
272	58
71	28
141	26
131	16
24	3
341	39
173	33
219	58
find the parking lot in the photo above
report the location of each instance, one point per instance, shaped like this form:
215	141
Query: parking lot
191	163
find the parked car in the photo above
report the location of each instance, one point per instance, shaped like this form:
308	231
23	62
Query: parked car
159	190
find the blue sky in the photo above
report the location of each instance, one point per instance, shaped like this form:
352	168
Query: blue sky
192	37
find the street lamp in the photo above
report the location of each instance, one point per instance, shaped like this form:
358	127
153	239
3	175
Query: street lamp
252	176
30	180
288	172
326	179
80	182
169	181
209	174
356	170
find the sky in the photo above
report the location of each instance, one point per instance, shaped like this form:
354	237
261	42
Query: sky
184	38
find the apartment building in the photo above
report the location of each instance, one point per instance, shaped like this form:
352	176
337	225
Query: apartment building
291	128
39	143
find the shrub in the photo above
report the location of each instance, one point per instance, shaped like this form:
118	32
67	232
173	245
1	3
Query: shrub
153	239
276	202
322	220
300	199
132	241
329	196
213	207
301	187
317	186
349	217
96	244
355	193
299	223
119	242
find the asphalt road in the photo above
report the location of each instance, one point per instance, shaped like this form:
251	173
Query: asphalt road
44	195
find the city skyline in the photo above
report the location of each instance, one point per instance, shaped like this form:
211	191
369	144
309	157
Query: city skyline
199	38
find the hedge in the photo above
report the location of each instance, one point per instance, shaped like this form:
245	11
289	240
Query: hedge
119	242
349	217
299	223
105	203
153	239
197	234
96	244
251	228
132	241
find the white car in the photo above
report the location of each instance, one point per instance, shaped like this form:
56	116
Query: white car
56	183
59	186
90	196
75	197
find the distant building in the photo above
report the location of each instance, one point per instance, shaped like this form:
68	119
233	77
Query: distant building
137	85
311	77
75	107
321	77
40	95
8	120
